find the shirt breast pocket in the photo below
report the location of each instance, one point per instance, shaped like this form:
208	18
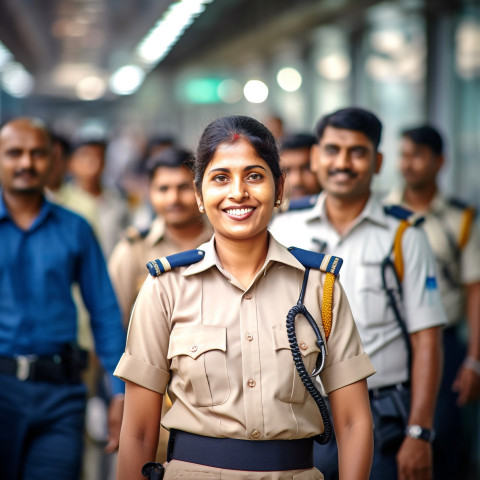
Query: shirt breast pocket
197	355
289	387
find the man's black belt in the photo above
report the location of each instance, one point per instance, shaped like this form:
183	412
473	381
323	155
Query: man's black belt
65	367
377	392
249	455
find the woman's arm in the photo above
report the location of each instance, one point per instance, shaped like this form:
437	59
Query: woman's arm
354	430
140	429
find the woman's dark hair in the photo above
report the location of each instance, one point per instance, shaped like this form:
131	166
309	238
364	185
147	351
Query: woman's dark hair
229	130
171	157
352	118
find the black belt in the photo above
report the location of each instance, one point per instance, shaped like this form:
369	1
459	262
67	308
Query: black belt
377	392
249	455
65	367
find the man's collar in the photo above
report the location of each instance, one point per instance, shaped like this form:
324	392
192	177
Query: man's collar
373	211
45	210
156	232
276	253
437	205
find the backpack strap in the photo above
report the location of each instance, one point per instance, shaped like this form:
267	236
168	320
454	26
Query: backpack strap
329	264
182	259
407	219
466	222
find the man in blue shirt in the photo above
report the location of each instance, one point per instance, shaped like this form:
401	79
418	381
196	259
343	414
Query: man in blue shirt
44	249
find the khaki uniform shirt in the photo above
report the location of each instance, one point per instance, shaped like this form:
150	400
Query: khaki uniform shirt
127	264
456	268
223	350
363	248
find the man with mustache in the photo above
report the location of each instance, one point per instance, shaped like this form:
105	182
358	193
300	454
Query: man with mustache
349	221
45	250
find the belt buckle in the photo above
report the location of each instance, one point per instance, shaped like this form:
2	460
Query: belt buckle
23	366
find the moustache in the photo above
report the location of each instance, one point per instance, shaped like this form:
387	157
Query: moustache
29	171
346	171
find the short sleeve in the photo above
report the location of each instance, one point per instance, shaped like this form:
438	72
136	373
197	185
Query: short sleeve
145	359
346	361
470	259
422	300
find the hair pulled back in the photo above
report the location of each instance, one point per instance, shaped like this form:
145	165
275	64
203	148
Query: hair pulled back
230	130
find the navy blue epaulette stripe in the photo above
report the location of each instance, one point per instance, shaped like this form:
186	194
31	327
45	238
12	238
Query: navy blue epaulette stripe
460	204
302	203
164	264
403	213
321	261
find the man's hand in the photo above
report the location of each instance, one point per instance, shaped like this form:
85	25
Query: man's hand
115	415
414	460
467	384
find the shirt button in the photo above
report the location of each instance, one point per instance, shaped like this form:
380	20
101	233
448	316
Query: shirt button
255	434
194	348
249	337
252	383
247	296
303	346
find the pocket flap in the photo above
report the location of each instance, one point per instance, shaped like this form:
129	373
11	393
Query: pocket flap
305	337
196	340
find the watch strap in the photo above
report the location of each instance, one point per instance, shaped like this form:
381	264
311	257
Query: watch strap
418	432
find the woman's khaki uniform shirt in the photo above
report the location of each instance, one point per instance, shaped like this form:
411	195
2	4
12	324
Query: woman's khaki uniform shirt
223	350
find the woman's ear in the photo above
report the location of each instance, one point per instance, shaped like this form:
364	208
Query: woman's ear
199	199
280	189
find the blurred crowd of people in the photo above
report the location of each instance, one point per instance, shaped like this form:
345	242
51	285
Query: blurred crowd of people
145	208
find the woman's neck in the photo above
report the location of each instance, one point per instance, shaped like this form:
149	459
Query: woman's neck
242	258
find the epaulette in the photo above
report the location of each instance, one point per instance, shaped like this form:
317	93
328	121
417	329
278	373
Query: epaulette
132	234
182	259
302	203
460	204
321	261
403	213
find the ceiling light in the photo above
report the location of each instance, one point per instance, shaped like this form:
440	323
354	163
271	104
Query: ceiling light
126	80
333	67
255	91
16	81
289	79
91	88
161	38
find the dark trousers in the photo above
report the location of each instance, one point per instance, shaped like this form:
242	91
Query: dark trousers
388	409
41	431
452	444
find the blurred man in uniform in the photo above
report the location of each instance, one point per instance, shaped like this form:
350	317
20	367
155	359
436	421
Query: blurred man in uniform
295	162
455	240
46	249
86	165
178	226
403	340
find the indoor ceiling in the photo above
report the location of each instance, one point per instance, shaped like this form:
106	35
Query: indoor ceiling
63	42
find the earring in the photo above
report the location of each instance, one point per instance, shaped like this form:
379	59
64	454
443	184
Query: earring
201	208
278	202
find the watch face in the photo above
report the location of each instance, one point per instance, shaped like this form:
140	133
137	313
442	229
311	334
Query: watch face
415	431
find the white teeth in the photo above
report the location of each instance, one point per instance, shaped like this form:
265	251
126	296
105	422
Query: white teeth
238	211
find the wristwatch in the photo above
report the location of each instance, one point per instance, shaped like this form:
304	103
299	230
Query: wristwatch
416	431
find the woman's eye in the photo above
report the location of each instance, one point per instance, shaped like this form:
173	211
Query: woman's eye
255	176
220	178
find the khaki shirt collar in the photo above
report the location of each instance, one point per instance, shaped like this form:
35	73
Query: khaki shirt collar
373	211
438	205
156	232
276	253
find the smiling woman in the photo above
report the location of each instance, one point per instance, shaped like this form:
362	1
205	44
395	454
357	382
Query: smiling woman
210	326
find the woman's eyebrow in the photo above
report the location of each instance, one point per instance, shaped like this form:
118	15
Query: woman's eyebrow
251	167
227	170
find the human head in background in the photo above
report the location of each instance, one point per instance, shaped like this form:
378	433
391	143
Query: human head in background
61	156
346	155
421	157
87	164
238	180
295	162
171	187
25	157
